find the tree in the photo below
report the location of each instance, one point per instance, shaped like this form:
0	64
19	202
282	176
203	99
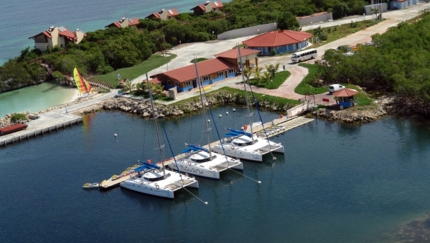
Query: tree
288	21
340	10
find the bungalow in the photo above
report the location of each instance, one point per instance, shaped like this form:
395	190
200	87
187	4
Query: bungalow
207	7
279	40
210	71
123	22
164	14
57	36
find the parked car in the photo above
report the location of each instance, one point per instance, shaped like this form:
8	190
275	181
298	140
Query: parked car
335	87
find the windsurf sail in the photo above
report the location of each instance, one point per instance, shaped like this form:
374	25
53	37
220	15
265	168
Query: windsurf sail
79	82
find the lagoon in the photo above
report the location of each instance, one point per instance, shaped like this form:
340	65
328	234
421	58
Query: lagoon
335	183
35	98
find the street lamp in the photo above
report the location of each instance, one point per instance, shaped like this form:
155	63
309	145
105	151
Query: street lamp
311	25
364	16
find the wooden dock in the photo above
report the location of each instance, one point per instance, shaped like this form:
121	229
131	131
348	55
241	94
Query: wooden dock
276	127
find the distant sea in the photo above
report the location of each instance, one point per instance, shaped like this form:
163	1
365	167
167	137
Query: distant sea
21	19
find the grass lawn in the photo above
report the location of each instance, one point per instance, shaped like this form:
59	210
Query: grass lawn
362	98
340	31
315	73
130	73
279	79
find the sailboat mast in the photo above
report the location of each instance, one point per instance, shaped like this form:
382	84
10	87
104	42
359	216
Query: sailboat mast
246	93
203	105
156	124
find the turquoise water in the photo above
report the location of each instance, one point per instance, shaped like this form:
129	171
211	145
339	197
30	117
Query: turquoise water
21	19
335	183
35	98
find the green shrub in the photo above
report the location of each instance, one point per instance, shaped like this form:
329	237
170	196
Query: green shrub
18	117
310	84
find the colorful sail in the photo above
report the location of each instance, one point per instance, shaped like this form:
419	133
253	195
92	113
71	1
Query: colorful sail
79	81
88	86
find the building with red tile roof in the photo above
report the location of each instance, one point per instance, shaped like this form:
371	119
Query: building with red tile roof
207	7
280	40
123	22
226	65
164	14
57	36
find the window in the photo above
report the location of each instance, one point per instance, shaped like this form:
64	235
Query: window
231	70
220	74
205	78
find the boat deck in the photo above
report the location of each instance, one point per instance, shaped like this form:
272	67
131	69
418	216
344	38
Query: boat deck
178	184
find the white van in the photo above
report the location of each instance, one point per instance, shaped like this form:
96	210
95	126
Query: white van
335	87
304	55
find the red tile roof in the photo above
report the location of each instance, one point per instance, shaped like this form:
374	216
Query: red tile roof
234	54
217	5
63	31
345	93
155	81
205	68
133	21
277	38
172	12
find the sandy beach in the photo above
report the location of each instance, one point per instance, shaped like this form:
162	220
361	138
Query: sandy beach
75	96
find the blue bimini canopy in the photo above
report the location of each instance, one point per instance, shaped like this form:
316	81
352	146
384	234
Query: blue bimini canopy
192	147
146	166
235	133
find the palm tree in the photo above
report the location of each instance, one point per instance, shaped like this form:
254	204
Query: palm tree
128	86
267	77
257	74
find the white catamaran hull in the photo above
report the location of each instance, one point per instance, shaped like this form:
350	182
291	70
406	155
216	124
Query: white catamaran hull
209	169
252	152
163	188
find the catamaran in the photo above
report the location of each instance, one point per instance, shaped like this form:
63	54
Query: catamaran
200	161
246	145
154	180
83	86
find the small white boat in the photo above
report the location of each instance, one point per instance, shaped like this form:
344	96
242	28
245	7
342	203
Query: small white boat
91	185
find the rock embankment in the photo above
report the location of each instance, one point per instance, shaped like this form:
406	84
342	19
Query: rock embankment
356	114
143	107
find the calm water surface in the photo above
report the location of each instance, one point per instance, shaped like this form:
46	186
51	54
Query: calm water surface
35	98
335	183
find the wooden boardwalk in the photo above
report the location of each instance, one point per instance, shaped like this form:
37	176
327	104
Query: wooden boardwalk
273	128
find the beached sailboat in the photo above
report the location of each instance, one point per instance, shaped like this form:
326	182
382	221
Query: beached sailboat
247	145
83	86
155	180
200	161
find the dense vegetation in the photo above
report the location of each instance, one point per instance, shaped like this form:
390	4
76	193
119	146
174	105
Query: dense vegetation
104	51
399	61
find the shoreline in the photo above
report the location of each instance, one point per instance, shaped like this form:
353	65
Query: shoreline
75	96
